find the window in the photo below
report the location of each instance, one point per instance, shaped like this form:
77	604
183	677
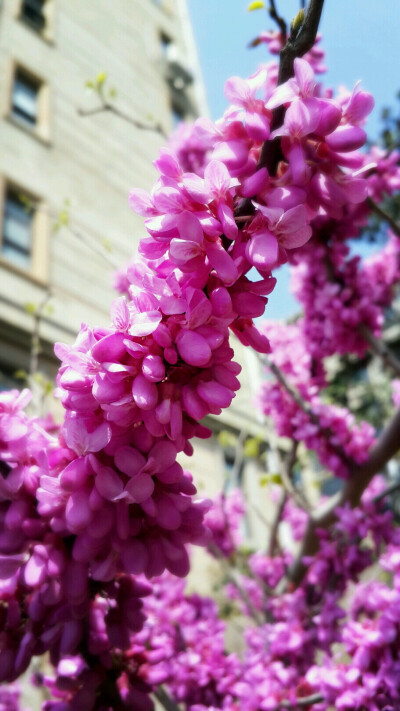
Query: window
32	12
16	245
25	227
178	115
25	98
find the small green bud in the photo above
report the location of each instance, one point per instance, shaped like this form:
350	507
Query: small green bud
297	21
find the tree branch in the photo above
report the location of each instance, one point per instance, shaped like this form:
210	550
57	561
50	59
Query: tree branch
273	13
300	40
301	701
380	348
384	215
105	106
165	700
360	476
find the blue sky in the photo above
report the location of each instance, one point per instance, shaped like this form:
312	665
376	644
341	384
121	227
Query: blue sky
361	39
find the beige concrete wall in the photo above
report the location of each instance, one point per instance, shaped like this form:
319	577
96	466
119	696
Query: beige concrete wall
91	161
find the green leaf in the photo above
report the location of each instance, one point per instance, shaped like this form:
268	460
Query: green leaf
21	374
268	479
255	5
226	439
251	447
30	308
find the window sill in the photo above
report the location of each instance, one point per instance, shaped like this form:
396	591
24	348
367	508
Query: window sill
34	132
24	273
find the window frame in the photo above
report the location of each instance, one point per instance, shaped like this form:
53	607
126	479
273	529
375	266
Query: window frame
47	32
41	129
38	268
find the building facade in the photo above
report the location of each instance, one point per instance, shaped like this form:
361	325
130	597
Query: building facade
67	164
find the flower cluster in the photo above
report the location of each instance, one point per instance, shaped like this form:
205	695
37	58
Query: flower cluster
87	508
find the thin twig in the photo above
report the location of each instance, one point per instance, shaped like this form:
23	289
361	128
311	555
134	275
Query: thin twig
286	470
165	700
229	574
300	40
390	490
273	540
380	454
380	349
273	13
307	409
35	341
384	215
105	106
301	701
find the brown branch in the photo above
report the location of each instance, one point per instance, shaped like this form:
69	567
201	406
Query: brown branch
360	476
287	479
165	700
384	215
390	490
300	40
273	541
273	13
286	470
301	701
380	349
35	340
105	106
232	578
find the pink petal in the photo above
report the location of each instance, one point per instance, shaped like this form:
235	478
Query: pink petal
129	460
262	250
135	557
145	393
217	176
226	217
237	91
296	239
193	348
144	323
346	138
120	315
141	202
140	487
222	262
77	512
305	77
108	483
189	227
214	393
182	250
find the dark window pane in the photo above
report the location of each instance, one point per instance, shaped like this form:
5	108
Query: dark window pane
178	115
24	98
17	230
32	12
